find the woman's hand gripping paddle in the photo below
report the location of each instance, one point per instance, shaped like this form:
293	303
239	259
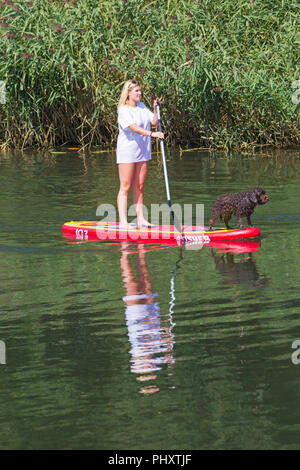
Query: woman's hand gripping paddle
175	220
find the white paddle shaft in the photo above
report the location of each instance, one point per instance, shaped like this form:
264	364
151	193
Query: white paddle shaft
162	147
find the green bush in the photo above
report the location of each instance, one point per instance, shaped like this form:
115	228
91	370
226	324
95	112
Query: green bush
225	69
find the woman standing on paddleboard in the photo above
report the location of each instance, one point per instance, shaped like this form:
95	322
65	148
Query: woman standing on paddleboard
134	148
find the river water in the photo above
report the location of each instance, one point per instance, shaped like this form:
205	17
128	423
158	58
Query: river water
113	346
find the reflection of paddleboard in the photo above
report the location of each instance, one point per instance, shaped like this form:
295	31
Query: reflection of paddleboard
111	231
236	246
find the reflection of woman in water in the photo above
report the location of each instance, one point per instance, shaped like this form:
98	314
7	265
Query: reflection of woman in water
151	342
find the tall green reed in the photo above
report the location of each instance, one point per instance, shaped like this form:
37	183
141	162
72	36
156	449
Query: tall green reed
225	69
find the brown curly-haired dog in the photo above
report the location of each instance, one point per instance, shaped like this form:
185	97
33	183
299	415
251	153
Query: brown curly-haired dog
239	204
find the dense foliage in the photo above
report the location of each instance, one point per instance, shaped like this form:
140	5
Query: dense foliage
225	68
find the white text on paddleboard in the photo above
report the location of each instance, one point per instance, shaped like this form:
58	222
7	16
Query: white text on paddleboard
194	239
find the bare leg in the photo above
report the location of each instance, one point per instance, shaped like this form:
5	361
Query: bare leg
126	174
139	178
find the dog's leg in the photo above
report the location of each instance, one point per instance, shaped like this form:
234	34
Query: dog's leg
215	216
211	223
240	222
227	217
249	221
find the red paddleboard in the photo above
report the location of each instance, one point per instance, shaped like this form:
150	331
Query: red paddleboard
166	234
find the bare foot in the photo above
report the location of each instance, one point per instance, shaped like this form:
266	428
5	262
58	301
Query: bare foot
125	226
146	225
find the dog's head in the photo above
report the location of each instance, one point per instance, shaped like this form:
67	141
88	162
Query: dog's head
258	196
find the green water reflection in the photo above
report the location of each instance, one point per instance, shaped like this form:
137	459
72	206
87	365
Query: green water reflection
114	346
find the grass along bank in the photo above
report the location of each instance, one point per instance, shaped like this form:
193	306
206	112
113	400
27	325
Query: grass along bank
225	68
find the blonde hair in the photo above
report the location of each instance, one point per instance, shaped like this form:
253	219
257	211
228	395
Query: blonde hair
129	85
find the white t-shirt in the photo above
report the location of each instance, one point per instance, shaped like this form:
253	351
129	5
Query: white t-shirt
133	147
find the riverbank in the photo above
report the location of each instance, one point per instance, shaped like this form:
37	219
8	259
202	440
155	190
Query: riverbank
227	71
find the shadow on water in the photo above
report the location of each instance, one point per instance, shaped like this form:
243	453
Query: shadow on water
238	271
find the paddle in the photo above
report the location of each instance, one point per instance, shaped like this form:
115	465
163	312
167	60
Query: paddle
162	147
